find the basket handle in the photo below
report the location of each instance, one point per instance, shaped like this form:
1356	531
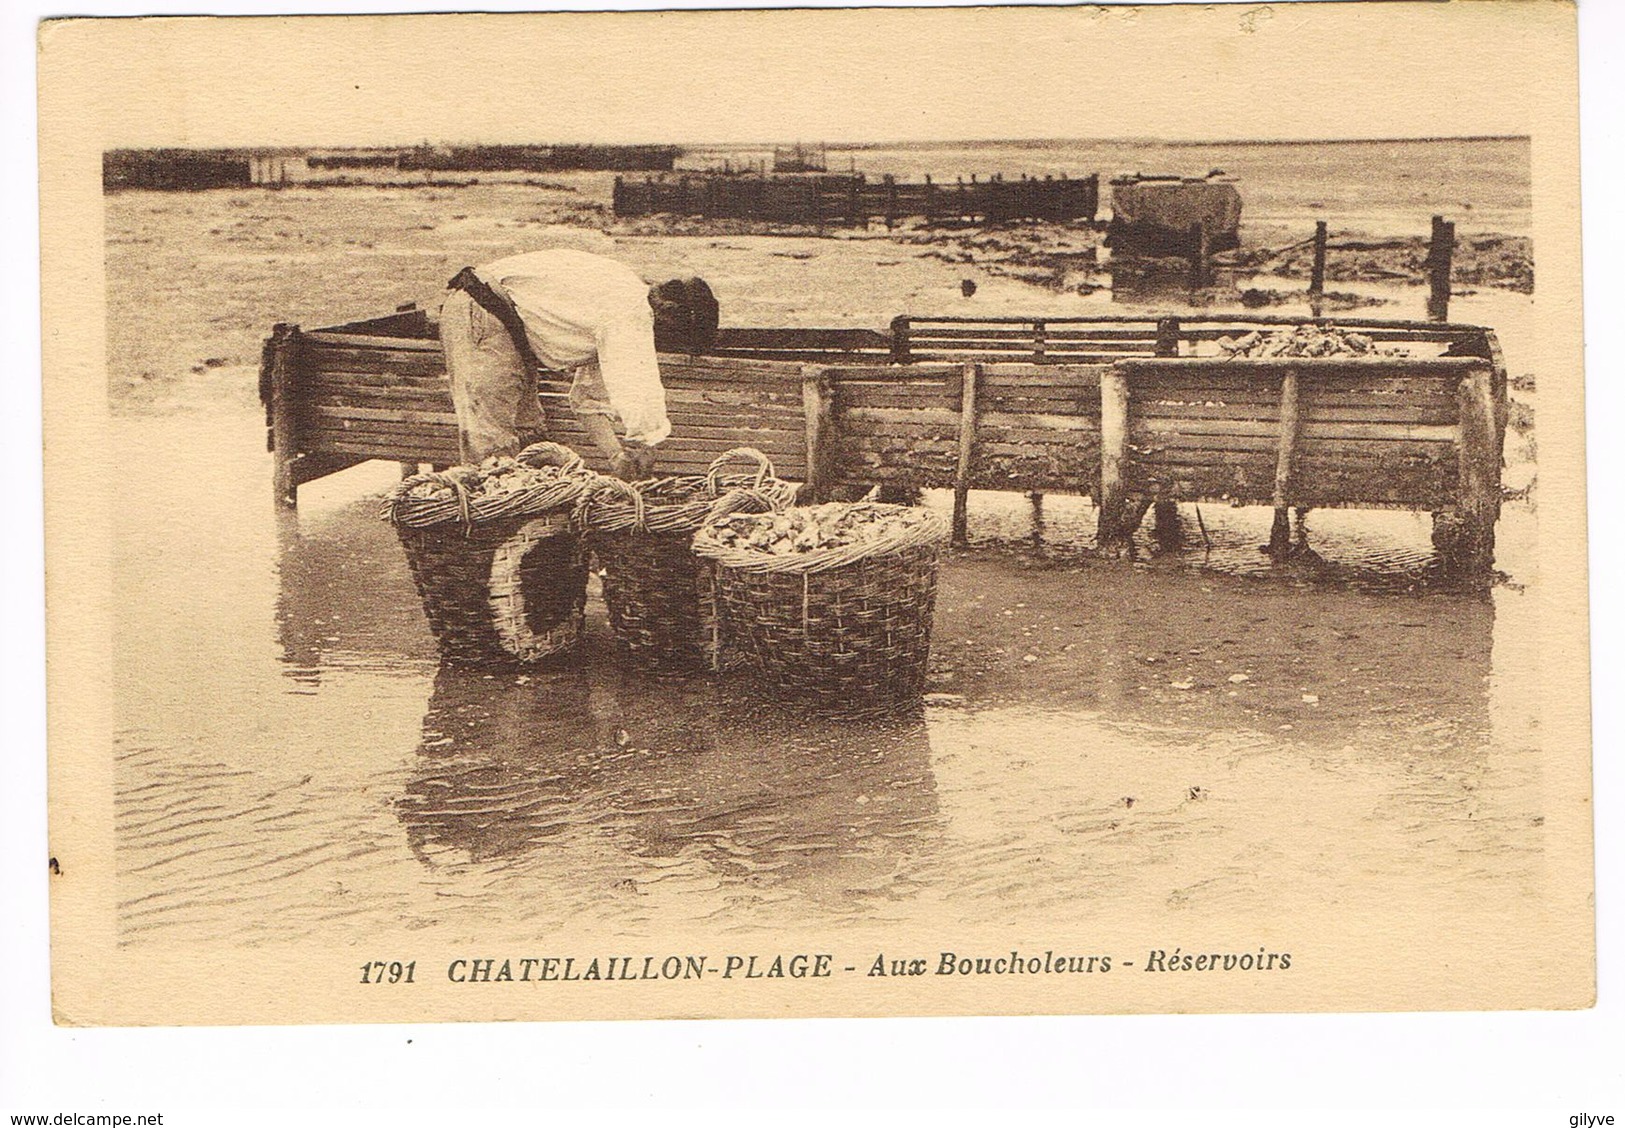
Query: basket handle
628	491
439	478
741	499
764	467
545	453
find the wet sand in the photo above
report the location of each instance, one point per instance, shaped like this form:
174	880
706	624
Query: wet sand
1195	731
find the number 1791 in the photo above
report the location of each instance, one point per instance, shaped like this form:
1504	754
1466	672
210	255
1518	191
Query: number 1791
393	972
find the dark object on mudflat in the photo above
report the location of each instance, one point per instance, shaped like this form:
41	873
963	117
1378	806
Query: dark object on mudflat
968	287
1171	215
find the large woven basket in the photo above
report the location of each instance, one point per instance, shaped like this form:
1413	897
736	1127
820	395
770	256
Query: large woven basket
659	594
503	577
846	628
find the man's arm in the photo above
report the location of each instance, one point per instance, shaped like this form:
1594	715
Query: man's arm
631	377
631	461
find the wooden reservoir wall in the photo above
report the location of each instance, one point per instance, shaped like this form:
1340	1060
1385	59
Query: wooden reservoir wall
837	200
1130	411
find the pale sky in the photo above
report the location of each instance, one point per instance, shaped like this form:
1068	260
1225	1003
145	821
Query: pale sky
1238	71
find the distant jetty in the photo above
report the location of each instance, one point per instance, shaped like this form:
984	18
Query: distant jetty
854	200
198	169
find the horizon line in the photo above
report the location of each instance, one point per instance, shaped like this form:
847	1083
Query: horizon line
860	145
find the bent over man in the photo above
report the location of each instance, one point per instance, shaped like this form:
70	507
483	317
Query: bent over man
567	310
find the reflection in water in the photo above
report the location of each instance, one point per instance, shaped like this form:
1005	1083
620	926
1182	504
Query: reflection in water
1290	655
689	772
1168	282
345	597
1284	735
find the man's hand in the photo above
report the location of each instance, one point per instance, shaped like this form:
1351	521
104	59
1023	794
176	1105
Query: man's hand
635	463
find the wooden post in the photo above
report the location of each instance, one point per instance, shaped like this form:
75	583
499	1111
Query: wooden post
282	364
1199	255
1440	251
1168	336
1478	459
852	216
930	200
970	376
1286	451
1317	272
1111	526
899	340
818	405
1038	341
891	201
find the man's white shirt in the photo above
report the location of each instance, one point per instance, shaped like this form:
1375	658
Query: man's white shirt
590	314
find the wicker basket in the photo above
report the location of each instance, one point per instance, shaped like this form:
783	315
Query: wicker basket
503	577
848	628
659	594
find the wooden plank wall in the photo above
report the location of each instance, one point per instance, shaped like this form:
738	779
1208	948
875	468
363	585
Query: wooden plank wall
1370	432
375	397
1038	428
715	404
389	399
1067	340
981	414
1050	341
850	201
896	425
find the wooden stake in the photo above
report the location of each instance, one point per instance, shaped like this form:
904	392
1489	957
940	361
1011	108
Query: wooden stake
1479	461
282	364
970	377
817	404
1281	527
1168	336
1317	272
1111	527
1196	241
899	340
1440	251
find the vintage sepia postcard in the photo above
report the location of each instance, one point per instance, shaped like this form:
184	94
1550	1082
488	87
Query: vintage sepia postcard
815	513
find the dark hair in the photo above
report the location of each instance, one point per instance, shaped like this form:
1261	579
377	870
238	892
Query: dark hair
686	315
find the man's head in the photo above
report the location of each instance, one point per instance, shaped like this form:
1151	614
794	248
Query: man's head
686	315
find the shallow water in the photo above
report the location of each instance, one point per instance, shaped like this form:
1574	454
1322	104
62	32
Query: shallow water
292	760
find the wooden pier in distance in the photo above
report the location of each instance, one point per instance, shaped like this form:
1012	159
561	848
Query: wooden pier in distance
855	201
1134	412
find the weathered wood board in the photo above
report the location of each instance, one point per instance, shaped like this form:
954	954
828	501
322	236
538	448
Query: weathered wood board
987	403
